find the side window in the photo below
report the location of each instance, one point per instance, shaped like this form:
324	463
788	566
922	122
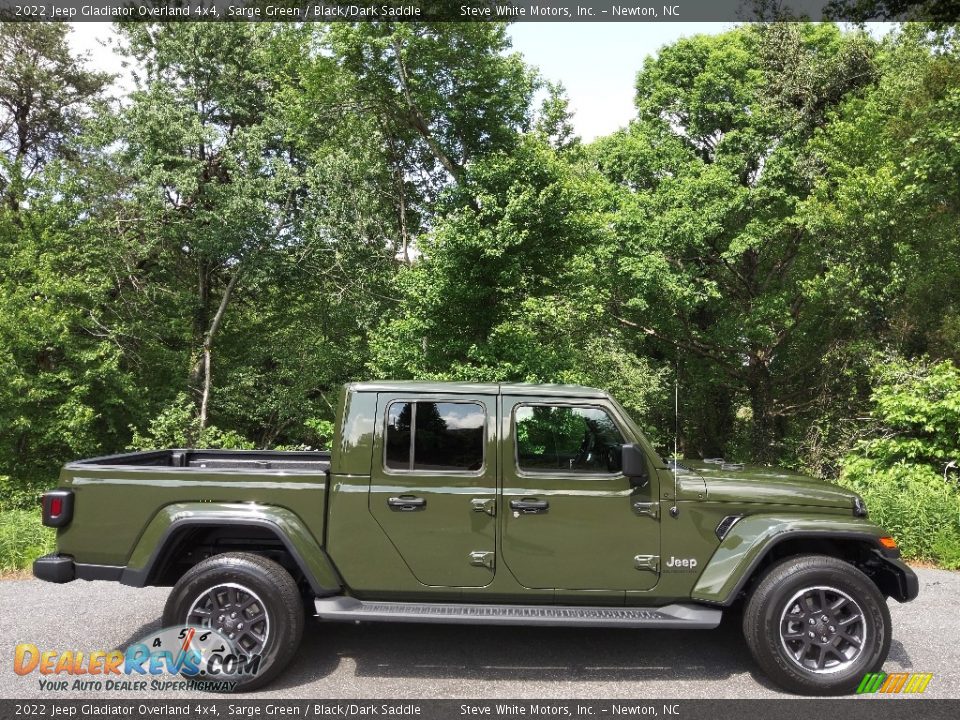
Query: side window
435	436
399	437
573	439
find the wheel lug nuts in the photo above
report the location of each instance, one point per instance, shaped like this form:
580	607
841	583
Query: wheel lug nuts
233	615
240	626
811	634
811	621
824	618
832	628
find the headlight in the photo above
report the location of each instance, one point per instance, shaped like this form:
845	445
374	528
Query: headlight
859	507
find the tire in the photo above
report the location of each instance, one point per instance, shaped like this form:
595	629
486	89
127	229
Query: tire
273	602
777	625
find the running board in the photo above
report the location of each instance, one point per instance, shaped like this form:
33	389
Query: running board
693	617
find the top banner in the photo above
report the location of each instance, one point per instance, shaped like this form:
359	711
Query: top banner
946	11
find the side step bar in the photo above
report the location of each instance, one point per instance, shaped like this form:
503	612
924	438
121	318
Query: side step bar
693	617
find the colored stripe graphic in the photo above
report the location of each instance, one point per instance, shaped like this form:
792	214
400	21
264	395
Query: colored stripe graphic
893	683
918	683
871	683
881	682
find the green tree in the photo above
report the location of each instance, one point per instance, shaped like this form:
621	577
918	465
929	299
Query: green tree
512	284
45	94
708	181
886	206
212	181
60	372
441	95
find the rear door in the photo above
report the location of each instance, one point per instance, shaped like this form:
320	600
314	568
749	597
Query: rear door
571	519
433	485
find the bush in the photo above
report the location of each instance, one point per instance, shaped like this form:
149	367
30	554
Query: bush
912	502
905	470
23	539
322	430
179	426
19	494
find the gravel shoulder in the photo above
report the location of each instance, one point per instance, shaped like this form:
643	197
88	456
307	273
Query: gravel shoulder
436	661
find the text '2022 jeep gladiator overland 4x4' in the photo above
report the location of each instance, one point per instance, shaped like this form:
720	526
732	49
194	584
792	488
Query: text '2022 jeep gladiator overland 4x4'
486	503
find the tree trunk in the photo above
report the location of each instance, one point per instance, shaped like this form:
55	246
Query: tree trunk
201	321
764	432
419	122
208	349
712	422
402	207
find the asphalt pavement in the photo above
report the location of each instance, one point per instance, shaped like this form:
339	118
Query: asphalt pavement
438	661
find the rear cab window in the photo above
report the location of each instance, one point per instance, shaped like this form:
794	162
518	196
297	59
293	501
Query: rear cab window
428	436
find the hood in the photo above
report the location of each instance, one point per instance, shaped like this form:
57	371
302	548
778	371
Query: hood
768	485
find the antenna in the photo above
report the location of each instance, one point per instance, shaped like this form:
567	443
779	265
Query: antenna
675	510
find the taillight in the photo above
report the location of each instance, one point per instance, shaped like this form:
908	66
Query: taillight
57	508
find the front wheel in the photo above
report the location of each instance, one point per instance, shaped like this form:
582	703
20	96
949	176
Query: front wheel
248	599
817	625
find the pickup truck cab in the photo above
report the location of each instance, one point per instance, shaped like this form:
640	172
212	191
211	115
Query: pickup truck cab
487	503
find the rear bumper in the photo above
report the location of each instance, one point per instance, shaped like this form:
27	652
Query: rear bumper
54	568
58	568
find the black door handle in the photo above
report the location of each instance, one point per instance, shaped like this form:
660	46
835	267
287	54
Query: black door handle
530	507
406	503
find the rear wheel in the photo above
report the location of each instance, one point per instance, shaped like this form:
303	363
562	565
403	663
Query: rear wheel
817	625
250	600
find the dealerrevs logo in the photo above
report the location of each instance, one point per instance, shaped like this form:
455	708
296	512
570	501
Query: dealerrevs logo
203	658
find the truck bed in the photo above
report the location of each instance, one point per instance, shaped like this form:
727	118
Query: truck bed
260	461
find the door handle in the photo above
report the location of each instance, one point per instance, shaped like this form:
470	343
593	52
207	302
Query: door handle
529	507
406	503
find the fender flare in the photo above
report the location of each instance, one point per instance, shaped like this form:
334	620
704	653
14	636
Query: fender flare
160	534
751	539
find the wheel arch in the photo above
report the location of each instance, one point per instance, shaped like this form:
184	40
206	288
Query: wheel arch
164	547
756	543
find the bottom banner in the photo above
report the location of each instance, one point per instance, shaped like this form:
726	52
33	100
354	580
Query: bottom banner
860	708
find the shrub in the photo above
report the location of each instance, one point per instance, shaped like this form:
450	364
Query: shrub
20	494
322	430
905	469
23	539
179	426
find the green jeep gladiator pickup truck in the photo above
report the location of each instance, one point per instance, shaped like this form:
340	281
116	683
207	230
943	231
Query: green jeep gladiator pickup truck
487	503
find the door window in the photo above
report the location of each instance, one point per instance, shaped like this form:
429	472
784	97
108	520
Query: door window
435	436
567	439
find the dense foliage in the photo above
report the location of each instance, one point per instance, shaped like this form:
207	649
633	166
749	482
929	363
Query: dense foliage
906	467
277	209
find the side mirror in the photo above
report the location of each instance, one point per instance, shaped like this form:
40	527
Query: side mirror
634	465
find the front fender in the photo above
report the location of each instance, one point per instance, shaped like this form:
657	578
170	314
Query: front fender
288	528
750	539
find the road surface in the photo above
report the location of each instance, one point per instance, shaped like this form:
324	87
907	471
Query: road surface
437	661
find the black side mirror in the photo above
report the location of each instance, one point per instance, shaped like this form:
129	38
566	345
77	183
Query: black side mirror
634	465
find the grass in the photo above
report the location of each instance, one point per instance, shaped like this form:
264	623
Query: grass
22	540
914	504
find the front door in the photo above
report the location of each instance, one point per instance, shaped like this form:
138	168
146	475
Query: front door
433	485
571	519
